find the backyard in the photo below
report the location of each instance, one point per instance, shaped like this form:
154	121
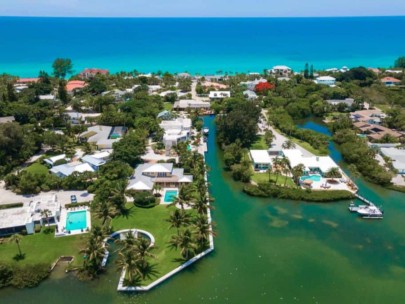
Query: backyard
264	178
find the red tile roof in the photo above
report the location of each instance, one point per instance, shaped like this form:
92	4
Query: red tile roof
390	79
94	72
75	84
27	80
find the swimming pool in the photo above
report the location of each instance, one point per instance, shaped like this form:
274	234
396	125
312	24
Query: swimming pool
76	220
315	178
170	196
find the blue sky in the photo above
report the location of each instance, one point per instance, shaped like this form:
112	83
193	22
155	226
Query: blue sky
201	8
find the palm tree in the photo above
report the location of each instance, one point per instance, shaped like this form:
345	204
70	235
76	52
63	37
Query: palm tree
333	173
288	145
297	172
93	255
178	219
184	241
156	188
127	260
46	213
105	211
286	168
16	238
143	249
201	204
203	230
277	164
145	269
129	242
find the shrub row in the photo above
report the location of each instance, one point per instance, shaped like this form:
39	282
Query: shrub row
271	190
8	206
77	205
23	276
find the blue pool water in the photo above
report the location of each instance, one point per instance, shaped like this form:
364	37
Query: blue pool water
76	220
315	178
170	196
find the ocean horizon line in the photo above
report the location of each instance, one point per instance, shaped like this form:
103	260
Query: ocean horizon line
208	17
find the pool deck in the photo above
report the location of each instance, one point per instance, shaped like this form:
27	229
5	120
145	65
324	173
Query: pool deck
61	225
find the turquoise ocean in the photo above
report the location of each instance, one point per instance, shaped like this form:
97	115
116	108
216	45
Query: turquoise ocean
202	45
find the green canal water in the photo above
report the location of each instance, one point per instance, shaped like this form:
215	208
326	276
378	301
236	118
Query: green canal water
269	251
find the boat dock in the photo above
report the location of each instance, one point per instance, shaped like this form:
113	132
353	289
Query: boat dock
369	211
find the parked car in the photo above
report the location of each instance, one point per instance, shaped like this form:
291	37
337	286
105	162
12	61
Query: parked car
73	199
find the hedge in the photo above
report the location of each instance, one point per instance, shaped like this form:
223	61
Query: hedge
77	205
271	190
8	206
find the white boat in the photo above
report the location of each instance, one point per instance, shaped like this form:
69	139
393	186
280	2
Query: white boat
206	130
354	208
370	212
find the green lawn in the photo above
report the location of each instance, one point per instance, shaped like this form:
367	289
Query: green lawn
43	248
38	168
308	147
153	220
168	106
264	178
259	144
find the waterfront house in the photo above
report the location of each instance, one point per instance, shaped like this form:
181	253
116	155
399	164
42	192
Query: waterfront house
176	130
90	73
261	159
373	117
312	164
219	95
6	119
74	85
376	131
103	137
280	71
397	156
163	174
24	219
326	80
390	81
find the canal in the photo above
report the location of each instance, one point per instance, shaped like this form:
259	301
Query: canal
269	251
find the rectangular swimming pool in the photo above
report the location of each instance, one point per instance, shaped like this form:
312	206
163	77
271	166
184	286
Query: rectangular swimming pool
315	178
170	196
76	220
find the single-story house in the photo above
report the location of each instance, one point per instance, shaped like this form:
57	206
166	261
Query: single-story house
47	97
96	160
373	117
313	164
116	93
250	95
103	136
375	131
162	174
73	85
280	70
76	118
326	80
89	73
397	156
216	85
54	159
6	119
390	81
185	104
348	101
261	159
165	115
67	169
15	220
219	95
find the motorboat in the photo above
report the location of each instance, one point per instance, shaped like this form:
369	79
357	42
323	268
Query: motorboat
206	131
370	212
354	208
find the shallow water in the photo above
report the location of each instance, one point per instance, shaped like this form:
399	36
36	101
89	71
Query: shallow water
270	251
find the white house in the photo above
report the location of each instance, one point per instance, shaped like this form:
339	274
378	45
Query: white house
261	160
251	85
162	174
103	136
68	169
397	156
326	80
219	95
47	97
280	70
176	130
52	160
96	160
15	220
185	104
250	95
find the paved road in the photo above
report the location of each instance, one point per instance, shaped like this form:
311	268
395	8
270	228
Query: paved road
279	139
8	197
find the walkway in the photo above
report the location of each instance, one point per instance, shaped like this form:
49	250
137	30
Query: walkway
279	138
